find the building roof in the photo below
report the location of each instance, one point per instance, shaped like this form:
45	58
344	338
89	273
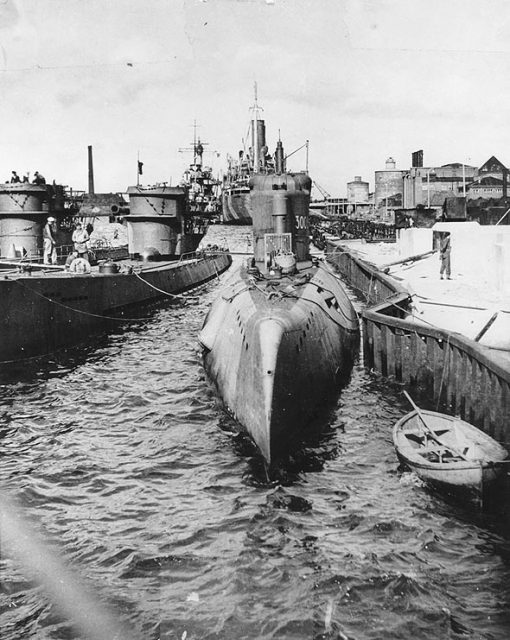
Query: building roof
492	165
457	165
435	178
488	181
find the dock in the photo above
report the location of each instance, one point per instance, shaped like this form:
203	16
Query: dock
448	340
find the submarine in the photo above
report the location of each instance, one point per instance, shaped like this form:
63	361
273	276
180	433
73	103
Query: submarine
282	336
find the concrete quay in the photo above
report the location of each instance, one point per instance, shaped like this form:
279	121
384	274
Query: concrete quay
449	340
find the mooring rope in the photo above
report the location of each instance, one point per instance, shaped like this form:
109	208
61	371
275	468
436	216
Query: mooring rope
95	315
338	277
413	315
167	293
85	313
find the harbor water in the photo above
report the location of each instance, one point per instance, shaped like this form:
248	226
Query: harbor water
121	457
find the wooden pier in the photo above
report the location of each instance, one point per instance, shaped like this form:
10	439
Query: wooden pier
458	374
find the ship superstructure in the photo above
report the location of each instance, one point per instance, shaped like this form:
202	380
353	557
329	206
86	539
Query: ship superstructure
251	160
202	188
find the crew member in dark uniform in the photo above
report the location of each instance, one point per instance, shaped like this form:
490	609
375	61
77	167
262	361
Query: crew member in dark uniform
38	178
445	249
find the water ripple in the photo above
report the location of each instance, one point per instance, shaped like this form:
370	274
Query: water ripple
122	457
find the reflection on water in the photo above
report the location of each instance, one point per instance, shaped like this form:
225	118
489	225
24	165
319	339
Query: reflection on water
122	456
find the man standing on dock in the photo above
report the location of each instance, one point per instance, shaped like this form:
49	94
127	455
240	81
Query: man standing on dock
50	242
445	249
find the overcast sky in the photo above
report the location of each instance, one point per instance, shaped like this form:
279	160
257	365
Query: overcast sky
362	80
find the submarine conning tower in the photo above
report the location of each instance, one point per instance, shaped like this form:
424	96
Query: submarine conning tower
280	208
24	210
154	222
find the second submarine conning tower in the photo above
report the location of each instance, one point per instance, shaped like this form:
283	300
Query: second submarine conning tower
24	210
154	223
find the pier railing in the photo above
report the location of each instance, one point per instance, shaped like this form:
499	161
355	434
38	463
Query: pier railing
367	280
461	376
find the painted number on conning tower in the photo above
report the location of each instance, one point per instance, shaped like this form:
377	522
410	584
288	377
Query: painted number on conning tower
300	222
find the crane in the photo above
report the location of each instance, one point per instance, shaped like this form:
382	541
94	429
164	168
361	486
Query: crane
325	195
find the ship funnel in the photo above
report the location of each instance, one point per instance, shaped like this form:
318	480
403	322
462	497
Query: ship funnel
91	171
258	134
279	158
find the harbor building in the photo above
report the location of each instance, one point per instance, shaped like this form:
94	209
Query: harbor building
487	196
486	188
336	206
388	190
426	193
493	168
357	191
430	186
490	181
359	203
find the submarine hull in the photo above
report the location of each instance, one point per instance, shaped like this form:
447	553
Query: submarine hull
47	311
278	355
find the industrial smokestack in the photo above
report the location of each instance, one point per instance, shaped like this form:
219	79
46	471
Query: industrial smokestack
91	172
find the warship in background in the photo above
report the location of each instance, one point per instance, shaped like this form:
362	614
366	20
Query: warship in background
203	189
282	336
236	207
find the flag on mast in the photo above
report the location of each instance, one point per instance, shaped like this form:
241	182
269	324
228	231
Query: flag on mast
140	168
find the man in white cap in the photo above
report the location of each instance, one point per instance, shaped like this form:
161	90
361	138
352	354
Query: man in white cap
50	242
